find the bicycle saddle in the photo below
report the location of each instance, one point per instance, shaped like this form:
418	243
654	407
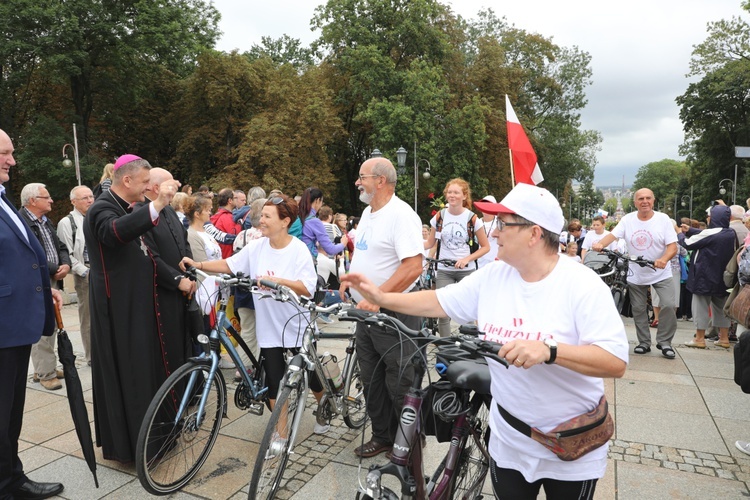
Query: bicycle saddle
469	375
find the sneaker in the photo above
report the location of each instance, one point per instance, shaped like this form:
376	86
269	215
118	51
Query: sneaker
325	318
321	429
226	362
743	446
278	444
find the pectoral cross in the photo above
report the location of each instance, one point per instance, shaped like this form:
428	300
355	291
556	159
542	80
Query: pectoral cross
144	247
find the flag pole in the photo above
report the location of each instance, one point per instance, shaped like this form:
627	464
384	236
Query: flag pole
510	151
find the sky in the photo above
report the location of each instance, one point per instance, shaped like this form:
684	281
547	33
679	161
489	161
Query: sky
640	52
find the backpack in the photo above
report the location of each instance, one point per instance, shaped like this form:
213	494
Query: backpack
73	229
471	238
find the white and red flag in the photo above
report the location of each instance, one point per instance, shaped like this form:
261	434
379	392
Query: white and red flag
523	164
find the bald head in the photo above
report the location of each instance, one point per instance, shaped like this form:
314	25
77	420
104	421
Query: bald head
158	176
6	157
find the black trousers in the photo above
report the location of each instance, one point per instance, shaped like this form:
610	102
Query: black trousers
14	365
386	373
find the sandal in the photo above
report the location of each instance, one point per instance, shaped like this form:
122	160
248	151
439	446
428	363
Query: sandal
642	349
698	344
371	449
667	351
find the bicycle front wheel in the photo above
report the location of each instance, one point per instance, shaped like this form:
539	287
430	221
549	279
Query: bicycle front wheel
354	395
473	464
273	454
172	443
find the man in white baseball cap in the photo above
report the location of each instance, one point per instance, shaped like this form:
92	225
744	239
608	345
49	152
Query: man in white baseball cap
560	331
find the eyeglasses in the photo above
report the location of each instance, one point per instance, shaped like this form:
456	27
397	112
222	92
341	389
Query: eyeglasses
364	176
501	224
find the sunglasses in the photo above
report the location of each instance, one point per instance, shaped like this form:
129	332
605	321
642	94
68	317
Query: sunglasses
277	200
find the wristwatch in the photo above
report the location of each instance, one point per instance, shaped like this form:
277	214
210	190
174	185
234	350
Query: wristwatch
552	344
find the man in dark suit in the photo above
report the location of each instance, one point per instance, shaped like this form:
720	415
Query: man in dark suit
37	203
168	242
26	302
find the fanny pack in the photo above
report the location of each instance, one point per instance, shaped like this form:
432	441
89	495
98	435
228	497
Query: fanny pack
573	438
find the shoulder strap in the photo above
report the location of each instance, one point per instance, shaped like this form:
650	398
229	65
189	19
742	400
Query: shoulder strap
472	241
438	229
73	229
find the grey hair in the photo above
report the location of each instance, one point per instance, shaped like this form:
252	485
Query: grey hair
385	168
130	168
737	212
256	207
30	191
551	240
73	191
255	193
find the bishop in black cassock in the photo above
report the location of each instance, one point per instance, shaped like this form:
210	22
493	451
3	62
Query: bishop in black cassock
128	362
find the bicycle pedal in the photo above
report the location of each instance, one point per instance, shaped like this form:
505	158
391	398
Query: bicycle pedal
256	408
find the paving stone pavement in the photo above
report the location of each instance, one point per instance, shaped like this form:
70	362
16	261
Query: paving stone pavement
675	426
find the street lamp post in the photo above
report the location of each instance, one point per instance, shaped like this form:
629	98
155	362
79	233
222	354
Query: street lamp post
723	190
690	199
401	161
66	161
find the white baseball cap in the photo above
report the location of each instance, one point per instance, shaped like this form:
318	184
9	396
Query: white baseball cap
530	202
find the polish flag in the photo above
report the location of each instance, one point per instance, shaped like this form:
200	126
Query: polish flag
523	158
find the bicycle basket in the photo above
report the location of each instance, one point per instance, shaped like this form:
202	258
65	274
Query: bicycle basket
599	262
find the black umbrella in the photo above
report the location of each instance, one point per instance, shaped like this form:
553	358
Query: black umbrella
75	395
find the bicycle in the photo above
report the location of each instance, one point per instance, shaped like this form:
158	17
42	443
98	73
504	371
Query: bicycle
184	418
428	281
614	267
347	400
460	400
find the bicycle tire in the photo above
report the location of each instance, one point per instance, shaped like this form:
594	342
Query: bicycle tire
617	297
472	466
268	474
354	395
170	452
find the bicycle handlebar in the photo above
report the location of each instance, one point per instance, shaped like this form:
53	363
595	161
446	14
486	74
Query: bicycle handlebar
445	262
469	343
286	294
630	258
238	280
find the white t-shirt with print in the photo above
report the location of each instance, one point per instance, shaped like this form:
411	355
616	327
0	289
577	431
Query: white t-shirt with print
453	235
543	396
279	324
646	239
490	256
591	238
385	238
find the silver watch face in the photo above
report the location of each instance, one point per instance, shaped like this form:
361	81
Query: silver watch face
550	343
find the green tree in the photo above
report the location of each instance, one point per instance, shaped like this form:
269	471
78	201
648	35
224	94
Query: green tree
665	178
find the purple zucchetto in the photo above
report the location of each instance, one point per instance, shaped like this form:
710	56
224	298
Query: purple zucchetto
122	160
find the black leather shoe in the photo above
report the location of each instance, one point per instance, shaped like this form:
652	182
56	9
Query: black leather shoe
36	491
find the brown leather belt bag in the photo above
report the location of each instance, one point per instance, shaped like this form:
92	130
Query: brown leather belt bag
573	438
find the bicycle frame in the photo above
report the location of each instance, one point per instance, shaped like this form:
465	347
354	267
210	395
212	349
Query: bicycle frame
218	335
307	361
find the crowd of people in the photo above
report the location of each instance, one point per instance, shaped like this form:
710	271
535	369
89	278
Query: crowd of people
128	241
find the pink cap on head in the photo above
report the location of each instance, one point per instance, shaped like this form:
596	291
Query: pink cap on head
122	160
